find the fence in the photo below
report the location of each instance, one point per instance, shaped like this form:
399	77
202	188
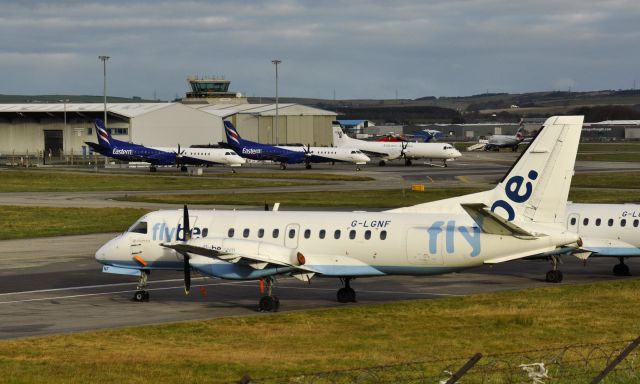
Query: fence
584	363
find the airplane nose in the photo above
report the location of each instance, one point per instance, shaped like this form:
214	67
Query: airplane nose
101	253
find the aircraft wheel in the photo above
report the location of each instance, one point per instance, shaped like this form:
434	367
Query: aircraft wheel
141	296
153	169
357	168
346	295
621	270
554	276
283	166
183	168
307	166
407	162
382	163
269	304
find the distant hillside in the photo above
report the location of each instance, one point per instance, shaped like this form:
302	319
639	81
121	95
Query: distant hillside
20	99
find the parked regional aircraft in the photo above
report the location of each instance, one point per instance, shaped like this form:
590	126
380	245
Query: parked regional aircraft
396	150
607	230
522	216
495	142
292	154
122	150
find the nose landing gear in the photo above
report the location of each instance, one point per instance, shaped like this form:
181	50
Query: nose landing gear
141	294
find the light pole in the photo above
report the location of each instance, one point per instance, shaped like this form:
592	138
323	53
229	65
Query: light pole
276	62
104	70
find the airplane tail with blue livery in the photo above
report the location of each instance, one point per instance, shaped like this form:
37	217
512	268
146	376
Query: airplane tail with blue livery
535	189
233	137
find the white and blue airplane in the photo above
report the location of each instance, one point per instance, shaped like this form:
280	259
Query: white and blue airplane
155	156
292	154
607	230
392	150
522	216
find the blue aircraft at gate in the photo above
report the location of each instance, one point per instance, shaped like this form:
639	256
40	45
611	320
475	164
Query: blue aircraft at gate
155	156
287	154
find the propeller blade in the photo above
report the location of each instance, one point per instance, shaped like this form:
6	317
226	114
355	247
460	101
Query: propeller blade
187	274
186	237
185	223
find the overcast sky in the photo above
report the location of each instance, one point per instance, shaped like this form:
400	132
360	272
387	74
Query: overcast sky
359	49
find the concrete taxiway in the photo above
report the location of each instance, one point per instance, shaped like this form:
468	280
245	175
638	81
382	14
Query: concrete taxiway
49	287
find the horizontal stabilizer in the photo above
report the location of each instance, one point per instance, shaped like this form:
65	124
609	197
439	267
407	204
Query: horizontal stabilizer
494	224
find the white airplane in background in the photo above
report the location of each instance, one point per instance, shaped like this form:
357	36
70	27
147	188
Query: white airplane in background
521	217
607	230
495	142
392	150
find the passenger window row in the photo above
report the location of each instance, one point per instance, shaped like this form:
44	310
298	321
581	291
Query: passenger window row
307	233
610	222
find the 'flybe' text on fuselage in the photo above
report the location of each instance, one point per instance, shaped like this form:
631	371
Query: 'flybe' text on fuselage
162	232
470	234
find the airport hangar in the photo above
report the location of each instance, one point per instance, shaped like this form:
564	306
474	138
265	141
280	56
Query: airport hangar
63	128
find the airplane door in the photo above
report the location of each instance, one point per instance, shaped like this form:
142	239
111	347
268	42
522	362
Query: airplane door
291	236
573	222
423	250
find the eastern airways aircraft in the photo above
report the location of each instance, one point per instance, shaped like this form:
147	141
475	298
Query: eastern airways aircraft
522	216
287	154
607	230
397	150
121	150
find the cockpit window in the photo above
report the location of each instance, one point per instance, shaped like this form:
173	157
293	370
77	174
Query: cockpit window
228	153
139	227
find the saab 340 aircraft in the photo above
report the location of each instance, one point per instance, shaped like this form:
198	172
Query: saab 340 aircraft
121	150
521	217
288	154
406	150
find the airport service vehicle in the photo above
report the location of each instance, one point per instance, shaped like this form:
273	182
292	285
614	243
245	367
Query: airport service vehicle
495	142
288	154
607	230
521	217
121	150
397	150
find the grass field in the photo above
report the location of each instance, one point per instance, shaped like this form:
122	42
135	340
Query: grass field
37	181
28	222
223	350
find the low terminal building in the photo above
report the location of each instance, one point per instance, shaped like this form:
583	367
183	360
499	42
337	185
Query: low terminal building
64	128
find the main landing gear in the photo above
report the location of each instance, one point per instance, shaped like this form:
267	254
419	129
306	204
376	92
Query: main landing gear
382	163
141	294
307	165
554	275
407	162
621	269
283	166
268	302
153	168
346	294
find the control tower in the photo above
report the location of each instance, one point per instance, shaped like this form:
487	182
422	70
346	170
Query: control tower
211	90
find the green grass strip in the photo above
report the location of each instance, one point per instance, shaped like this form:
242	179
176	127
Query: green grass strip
29	222
37	181
347	337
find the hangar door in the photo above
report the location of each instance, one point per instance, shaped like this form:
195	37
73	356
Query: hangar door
53	142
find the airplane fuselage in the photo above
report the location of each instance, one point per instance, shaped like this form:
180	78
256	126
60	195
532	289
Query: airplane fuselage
338	244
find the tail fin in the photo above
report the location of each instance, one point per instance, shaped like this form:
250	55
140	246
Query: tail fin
340	139
104	138
520	132
233	137
537	186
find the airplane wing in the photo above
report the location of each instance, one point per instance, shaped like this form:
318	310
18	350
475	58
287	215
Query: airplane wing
386	154
253	260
